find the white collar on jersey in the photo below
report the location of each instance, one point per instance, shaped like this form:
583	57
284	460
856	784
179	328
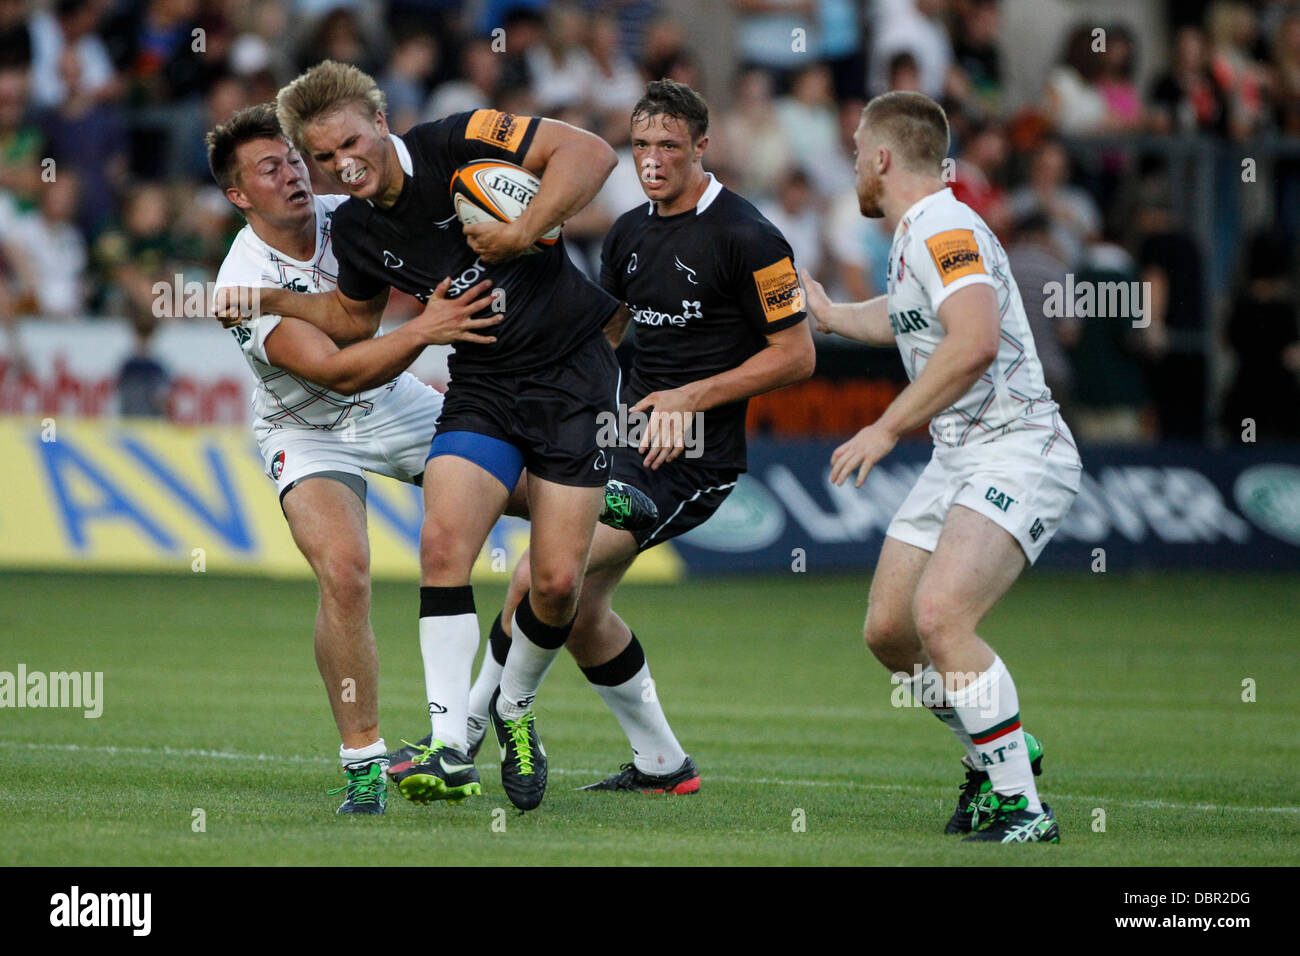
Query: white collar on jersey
710	193
403	157
924	202
403	154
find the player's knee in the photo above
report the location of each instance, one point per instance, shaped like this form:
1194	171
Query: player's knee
554	588
344	578
938	622
438	549
891	640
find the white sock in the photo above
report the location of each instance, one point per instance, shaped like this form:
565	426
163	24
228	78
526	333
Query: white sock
377	749
928	689
989	709
448	643
489	678
533	649
636	705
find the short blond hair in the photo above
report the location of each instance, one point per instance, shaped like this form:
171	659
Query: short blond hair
324	89
913	124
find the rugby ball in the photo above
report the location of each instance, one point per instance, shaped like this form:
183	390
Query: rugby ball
489	190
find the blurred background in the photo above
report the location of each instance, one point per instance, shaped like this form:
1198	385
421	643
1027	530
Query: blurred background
1154	142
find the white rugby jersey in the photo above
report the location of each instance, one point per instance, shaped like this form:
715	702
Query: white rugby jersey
942	245
281	399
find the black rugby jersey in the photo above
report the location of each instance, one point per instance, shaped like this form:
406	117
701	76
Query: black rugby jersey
705	288
550	307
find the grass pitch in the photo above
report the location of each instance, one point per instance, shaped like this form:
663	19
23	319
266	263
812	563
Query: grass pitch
212	702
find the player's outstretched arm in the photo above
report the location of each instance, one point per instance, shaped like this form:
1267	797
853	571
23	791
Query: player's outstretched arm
572	165
788	358
970	345
342	319
866	322
301	348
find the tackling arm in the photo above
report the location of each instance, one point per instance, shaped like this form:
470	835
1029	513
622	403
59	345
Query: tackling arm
866	322
970	344
341	319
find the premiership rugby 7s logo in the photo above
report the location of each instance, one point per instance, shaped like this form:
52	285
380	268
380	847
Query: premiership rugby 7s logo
500	129
955	254
778	290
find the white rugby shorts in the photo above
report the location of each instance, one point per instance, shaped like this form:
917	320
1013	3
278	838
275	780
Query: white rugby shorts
1009	480
392	440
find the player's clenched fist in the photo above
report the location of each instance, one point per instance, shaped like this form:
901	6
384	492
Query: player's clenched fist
233	304
446	321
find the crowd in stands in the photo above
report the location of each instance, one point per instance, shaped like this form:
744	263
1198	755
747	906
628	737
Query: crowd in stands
104	186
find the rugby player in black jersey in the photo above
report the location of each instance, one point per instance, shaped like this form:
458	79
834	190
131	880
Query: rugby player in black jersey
532	398
712	288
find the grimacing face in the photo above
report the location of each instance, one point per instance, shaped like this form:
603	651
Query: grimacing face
351	147
272	180
664	156
867	180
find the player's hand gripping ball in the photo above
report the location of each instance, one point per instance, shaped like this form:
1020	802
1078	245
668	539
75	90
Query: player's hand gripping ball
489	190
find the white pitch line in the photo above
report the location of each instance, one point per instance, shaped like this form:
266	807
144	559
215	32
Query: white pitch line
574	771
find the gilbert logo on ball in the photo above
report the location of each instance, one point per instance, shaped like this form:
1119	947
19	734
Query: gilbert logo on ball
490	190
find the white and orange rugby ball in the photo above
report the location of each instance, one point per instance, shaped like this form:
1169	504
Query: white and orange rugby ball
490	190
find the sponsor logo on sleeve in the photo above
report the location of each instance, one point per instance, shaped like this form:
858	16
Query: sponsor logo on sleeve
504	130
956	254
778	290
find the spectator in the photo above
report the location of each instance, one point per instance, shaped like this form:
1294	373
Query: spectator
89	137
776	35
563	73
1075	102
915	27
1231	26
15	35
975	53
839	24
753	119
405	80
1037	264
49	253
479	87
1118	89
338	36
156	52
1173	345
142	382
810	121
21	144
71	23
1187	98
978	174
139	253
616	84
796	214
1286	66
1262	332
903	72
1072	213
1110	398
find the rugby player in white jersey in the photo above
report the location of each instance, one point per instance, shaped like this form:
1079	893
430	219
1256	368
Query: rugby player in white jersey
1004	471
325	414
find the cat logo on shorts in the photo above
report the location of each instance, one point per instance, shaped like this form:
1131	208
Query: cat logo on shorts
956	254
277	465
